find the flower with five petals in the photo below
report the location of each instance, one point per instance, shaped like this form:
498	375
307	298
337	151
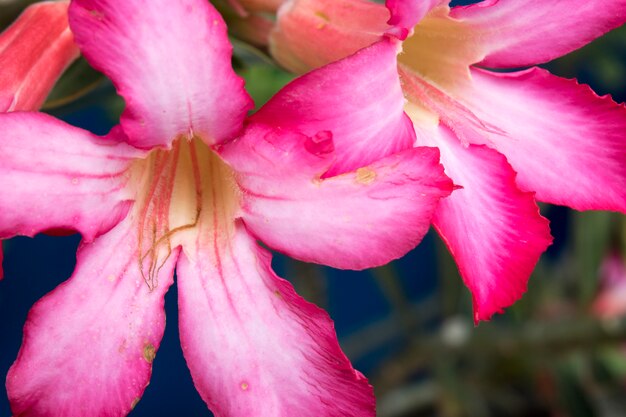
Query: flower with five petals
186	182
507	138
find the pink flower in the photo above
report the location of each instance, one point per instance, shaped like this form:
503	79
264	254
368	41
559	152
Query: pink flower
507	138
34	52
325	172
610	301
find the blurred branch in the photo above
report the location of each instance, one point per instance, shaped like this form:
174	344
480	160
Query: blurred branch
389	282
453	293
592	232
310	282
417	399
78	80
532	338
381	332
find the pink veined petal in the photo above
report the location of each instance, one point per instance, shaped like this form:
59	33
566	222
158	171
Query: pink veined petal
362	112
493	230
171	61
54	175
565	142
519	33
89	345
407	13
254	347
34	52
328	170
313	33
355	220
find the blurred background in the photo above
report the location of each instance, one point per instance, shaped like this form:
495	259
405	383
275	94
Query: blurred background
560	351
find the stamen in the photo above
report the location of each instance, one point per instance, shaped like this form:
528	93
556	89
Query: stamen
164	167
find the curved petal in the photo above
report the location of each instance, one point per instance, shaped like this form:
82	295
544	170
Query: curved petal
565	142
516	33
356	220
313	33
171	61
57	176
34	52
254	347
493	230
363	112
405	14
89	345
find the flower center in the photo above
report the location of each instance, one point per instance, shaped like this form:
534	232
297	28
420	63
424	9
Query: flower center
182	190
435	73
441	50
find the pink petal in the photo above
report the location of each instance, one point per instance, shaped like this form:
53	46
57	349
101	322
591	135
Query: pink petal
407	13
363	111
565	142
326	124
355	220
254	347
493	230
516	33
171	61
313	33
89	345
34	52
57	176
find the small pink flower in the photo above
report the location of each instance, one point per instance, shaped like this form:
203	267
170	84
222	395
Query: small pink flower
325	172
34	52
611	299
506	138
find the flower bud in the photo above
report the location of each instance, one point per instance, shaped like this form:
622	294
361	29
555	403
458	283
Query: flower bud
312	33
34	52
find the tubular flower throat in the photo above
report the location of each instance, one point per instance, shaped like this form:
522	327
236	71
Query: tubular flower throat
179	189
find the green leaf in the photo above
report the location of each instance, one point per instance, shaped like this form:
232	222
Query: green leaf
78	80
